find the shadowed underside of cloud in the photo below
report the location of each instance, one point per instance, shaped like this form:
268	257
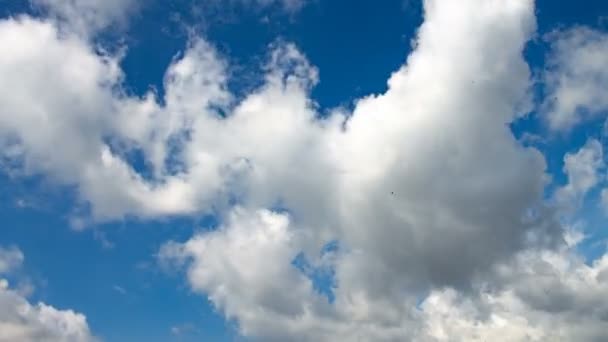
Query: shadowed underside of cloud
538	295
438	211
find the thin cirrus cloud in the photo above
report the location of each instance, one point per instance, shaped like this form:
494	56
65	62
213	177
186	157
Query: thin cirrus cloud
89	17
10	259
438	212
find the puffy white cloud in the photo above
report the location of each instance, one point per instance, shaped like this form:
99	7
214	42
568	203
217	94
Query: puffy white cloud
196	155
576	78
61	105
275	304
226	265
543	296
430	196
426	186
56	107
583	171
429	165
244	268
22	321
430	157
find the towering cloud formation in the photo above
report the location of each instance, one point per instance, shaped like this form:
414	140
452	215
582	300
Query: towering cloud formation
436	209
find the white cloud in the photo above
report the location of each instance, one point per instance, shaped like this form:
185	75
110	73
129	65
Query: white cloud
60	102
576	77
543	296
89	16
11	258
226	265
583	171
244	268
24	322
424	186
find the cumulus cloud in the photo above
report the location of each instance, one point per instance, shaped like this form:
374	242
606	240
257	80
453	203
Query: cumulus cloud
436	208
194	153
431	157
226	265
431	226
544	296
583	170
67	114
244	269
22	321
576	77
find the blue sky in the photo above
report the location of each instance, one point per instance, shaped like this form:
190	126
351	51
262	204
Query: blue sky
109	270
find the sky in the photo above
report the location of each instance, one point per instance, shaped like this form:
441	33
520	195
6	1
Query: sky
303	170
